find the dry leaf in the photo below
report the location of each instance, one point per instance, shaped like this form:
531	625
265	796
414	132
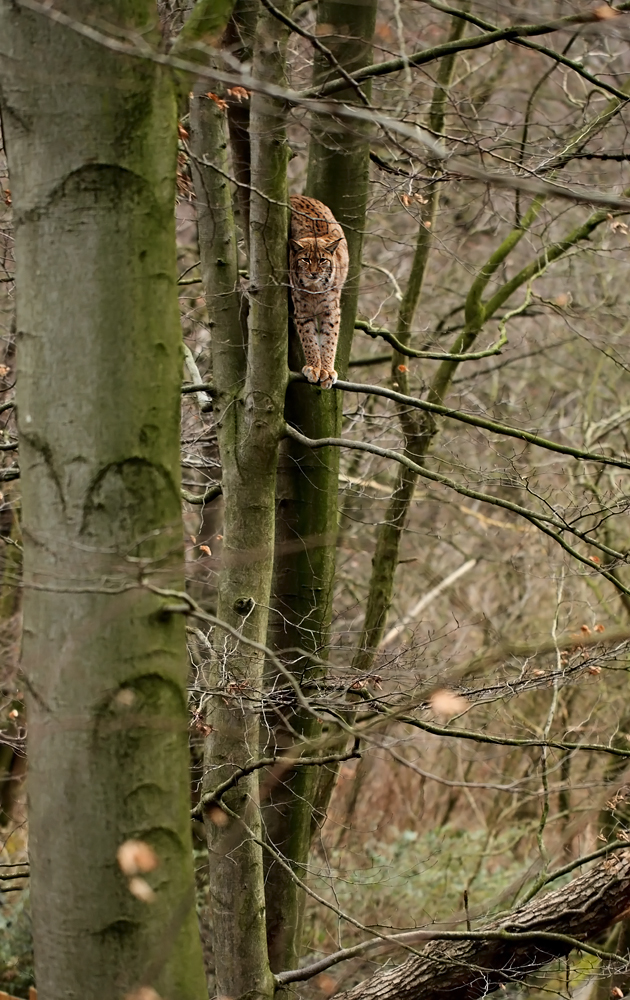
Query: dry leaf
141	889
217	816
220	103
447	703
326	984
135	856
594	670
585	629
604	13
125	697
205	549
598	628
402	368
239	93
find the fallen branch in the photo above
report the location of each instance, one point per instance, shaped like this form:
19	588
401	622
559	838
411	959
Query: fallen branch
511	948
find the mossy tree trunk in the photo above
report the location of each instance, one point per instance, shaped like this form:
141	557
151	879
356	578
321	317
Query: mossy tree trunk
91	140
308	487
418	428
250	377
419	432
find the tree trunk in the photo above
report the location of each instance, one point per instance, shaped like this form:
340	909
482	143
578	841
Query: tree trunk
250	381
91	140
308	484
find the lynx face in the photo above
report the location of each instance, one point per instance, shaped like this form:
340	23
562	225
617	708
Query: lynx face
313	264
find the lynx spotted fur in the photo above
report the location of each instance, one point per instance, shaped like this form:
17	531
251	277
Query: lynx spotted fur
318	267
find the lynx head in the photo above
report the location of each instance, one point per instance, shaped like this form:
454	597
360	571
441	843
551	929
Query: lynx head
313	263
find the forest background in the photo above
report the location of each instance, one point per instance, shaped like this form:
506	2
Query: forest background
390	659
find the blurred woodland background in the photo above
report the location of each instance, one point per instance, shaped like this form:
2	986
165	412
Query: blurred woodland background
479	640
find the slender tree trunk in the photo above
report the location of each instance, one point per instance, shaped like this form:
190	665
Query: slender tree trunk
418	432
91	139
239	37
250	382
308	484
418	428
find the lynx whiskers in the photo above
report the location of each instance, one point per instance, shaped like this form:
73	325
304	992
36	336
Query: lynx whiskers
318	267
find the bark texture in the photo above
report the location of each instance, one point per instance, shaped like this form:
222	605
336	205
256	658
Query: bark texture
471	969
418	428
91	140
250	375
308	484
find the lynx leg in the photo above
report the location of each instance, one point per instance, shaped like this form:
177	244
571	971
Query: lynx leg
328	348
307	330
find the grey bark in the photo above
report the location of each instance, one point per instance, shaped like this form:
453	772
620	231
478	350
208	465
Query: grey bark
250	377
308	483
91	141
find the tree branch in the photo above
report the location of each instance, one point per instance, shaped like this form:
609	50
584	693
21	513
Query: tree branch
557	56
203	498
410	352
512	947
539	520
489	425
414	937
512	33
286	762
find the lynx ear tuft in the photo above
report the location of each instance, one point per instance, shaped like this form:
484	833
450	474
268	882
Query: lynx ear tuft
331	247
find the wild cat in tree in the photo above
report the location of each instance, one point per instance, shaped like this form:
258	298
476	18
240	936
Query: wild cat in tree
318	267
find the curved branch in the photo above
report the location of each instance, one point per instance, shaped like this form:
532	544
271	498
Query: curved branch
203	498
543	49
513	33
411	352
287	762
539	520
414	937
483	422
472	964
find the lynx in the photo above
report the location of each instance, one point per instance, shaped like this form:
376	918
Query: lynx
318	267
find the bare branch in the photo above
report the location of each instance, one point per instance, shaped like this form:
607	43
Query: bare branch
512	947
512	33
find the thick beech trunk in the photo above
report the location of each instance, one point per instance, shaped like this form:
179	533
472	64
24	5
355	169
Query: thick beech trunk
91	140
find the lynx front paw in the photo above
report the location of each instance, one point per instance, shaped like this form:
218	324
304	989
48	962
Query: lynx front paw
328	379
311	373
